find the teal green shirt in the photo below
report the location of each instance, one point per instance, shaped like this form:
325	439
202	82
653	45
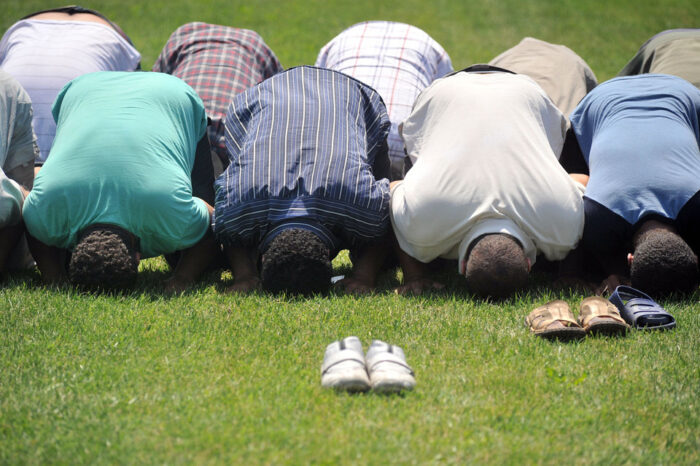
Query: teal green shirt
123	154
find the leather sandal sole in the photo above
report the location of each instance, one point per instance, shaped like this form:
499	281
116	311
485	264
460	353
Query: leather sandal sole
607	327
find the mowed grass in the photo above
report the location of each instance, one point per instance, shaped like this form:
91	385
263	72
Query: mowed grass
213	377
209	377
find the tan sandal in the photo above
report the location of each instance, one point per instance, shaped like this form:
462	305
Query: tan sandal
554	320
600	316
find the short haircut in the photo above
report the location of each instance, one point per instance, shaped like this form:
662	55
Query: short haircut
103	259
496	266
664	263
296	262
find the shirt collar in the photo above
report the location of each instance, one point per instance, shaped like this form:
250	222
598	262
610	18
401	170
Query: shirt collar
324	234
482	68
493	226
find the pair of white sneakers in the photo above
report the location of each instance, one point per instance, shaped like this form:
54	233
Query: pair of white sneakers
384	369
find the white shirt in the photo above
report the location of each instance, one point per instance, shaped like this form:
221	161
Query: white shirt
484	148
43	55
397	60
17	147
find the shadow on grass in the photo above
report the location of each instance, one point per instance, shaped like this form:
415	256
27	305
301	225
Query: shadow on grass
153	273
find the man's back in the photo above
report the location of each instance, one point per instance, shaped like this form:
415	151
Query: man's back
397	60
564	76
123	155
304	144
485	147
639	136
43	55
676	52
218	62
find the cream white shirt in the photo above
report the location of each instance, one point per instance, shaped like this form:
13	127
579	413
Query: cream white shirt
485	150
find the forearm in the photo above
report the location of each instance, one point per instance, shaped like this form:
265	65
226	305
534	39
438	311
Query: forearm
413	269
415	274
50	260
580	178
244	268
193	261
243	262
369	261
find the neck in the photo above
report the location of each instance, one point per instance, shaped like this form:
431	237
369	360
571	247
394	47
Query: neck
651	225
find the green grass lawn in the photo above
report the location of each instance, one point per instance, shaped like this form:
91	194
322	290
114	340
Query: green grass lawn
208	377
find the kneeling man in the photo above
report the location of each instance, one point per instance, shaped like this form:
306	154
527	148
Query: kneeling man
47	49
638	140
307	177
218	62
560	72
397	60
486	187
17	152
675	51
122	181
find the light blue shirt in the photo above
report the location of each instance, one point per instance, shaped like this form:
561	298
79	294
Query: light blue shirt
639	136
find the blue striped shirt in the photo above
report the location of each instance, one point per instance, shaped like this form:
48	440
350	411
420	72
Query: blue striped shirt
307	149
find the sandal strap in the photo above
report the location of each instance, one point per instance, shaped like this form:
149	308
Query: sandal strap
640	310
647	313
558	310
598	307
644	306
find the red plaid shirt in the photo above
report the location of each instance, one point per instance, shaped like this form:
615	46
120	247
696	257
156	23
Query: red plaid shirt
218	62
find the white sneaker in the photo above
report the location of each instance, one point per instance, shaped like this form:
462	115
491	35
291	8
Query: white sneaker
344	366
388	370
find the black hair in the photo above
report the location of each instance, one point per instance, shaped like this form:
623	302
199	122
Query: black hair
297	262
496	266
104	258
664	263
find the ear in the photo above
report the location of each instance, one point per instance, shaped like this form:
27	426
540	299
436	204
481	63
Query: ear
630	259
529	264
463	267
